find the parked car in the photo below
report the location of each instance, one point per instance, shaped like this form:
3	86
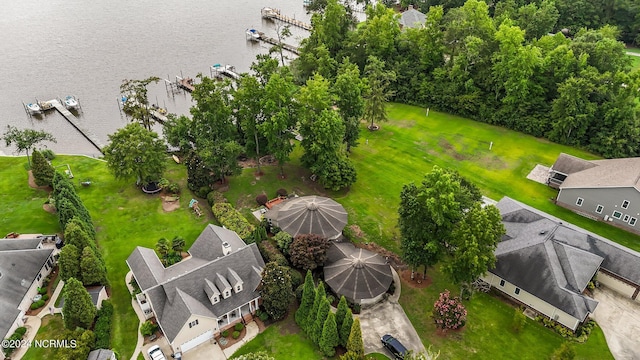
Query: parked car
394	346
155	353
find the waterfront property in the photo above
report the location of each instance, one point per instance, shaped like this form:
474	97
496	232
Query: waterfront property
24	263
606	190
206	293
546	264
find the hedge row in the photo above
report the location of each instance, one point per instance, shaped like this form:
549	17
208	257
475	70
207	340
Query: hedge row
13	340
232	219
102	329
271	253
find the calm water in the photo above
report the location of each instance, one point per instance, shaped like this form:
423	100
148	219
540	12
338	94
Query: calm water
54	48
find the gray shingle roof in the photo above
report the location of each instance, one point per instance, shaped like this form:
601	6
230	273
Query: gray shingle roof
175	298
606	173
569	164
412	18
18	270
19	244
539	247
209	246
100	354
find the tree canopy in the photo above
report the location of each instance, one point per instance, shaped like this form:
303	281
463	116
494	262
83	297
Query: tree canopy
275	290
78	309
25	140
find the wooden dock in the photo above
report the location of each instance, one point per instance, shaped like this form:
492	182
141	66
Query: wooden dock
185	83
220	71
271	13
255	35
92	138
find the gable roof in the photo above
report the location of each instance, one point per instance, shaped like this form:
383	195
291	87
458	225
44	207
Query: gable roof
623	172
18	270
100	354
179	294
19	244
569	164
210	242
412	18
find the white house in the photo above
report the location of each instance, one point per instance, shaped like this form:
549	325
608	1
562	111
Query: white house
197	298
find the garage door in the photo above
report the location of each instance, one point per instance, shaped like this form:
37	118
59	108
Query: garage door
188	345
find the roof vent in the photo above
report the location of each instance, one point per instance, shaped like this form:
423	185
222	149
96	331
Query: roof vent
542	232
225	244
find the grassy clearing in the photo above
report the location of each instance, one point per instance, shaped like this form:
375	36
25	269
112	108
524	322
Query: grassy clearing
488	334
51	328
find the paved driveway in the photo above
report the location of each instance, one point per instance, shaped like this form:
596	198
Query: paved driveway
619	318
388	317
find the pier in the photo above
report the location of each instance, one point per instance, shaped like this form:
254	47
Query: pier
255	35
92	138
271	13
218	71
185	83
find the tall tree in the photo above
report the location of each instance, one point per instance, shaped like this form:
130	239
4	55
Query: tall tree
83	340
135	100
247	100
313	313
92	270
308	295
25	140
78	309
321	317
43	172
473	243
341	311
347	90
136	153
75	235
355	343
345	329
329	338
378	92
275	290
69	262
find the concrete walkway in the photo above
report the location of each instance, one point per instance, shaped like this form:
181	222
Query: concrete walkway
619	318
33	322
138	310
388	317
252	332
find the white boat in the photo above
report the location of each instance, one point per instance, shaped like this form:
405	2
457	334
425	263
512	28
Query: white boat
33	108
70	102
254	34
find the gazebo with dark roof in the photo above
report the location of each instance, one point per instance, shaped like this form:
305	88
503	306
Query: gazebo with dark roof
360	275
309	215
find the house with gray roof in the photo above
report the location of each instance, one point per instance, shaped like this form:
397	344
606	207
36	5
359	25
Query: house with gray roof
412	18
24	263
546	264
101	354
605	190
209	291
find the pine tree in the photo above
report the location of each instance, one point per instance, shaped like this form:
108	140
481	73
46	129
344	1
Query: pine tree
345	329
341	311
355	343
318	325
69	262
75	235
92	270
78	309
311	319
329	338
308	295
42	171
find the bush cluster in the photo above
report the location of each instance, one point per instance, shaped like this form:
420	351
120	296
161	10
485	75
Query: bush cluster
215	197
448	312
232	219
239	326
17	335
102	328
225	333
262	199
148	328
235	334
271	253
38	304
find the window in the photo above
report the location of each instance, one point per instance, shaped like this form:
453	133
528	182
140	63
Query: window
632	221
599	209
193	323
579	201
517	291
215	299
227	294
626	218
38	277
625	204
616	214
238	288
501	282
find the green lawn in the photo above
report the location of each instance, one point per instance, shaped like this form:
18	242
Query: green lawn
283	340
51	328
488	329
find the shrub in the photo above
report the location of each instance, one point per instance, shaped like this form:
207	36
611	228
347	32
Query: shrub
21	331
38	304
48	154
148	328
239	326
42	290
263	316
174	188
308	251
281	192
232	219
519	319
46	281
564	352
102	328
203	191
45	297
163	183
262	199
225	333
215	197
283	241
299	291
356	308
448	312
331	299
235	334
296	278
270	253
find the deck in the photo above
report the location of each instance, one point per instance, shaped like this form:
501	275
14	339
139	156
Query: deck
271	13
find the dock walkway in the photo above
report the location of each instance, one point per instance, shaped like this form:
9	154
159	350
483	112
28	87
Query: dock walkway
255	35
271	13
92	138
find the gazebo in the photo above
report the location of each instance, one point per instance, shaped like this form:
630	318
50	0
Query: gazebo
309	215
360	275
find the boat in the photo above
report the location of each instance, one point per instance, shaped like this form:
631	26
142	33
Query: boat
33	108
254	34
71	102
46	105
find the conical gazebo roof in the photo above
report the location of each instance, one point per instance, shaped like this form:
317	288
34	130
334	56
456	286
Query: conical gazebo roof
312	215
356	273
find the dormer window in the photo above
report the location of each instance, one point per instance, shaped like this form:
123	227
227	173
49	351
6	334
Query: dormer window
215	300
227	294
238	288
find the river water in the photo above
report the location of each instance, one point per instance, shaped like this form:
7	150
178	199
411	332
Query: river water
54	48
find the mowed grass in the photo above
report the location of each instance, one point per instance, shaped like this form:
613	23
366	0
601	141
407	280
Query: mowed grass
123	215
51	328
488	332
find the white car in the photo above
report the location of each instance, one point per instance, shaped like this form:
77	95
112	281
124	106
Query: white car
155	353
